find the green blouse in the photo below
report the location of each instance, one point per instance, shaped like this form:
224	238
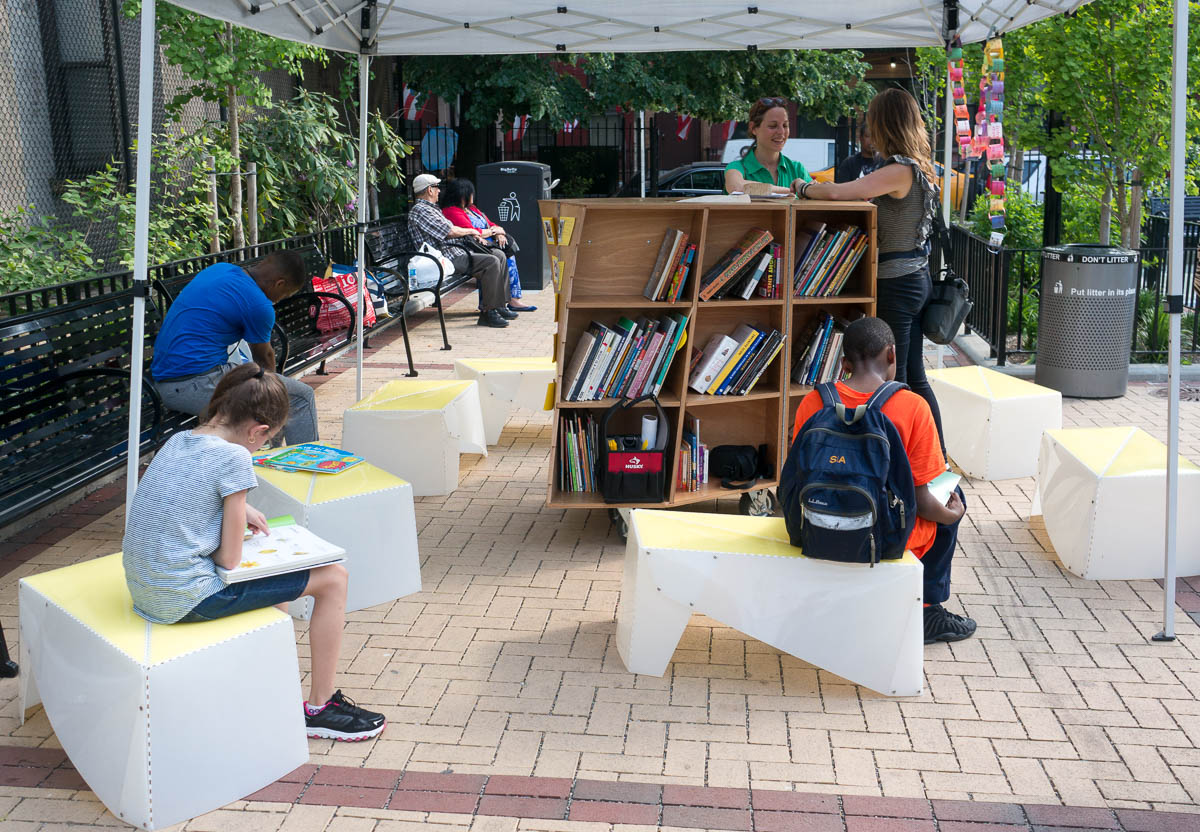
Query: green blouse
753	171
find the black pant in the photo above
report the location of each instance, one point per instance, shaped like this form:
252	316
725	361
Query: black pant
936	562
900	304
490	270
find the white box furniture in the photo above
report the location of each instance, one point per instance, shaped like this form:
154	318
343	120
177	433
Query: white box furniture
1102	493
992	422
366	511
163	722
864	624
416	429
505	383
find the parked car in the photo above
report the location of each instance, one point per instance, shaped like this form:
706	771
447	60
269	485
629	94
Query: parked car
695	179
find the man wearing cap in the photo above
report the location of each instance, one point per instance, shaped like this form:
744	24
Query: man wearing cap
489	267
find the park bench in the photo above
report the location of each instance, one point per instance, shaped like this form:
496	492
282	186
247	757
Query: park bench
298	344
389	249
64	395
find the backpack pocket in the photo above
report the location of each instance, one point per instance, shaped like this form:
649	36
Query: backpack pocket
837	522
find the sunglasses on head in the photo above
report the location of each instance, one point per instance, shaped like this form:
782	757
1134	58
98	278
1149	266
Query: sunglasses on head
773	102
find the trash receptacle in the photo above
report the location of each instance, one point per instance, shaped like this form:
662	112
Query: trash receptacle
508	192
1085	319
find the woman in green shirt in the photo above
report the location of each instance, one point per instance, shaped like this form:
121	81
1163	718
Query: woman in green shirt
764	161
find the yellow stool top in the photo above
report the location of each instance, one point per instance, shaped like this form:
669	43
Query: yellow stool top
95	593
721	534
313	488
507	365
988	383
414	394
1116	452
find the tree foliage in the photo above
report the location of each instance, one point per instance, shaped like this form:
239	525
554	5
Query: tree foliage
709	85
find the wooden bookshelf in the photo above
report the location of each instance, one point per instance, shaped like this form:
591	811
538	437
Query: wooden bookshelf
605	264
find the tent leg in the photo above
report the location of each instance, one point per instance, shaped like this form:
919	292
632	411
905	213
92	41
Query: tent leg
641	145
1175	310
141	245
364	73
947	149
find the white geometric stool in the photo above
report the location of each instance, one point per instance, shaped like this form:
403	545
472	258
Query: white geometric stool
366	511
164	722
1102	494
505	383
416	429
992	422
864	624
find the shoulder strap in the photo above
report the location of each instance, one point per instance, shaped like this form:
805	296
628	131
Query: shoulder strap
884	392
829	394
943	237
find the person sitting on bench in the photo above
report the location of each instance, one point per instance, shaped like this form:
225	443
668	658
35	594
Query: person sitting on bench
222	305
869	360
489	267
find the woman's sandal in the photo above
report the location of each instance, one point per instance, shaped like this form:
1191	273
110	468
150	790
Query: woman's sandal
512	308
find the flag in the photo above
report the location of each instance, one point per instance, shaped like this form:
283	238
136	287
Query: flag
518	128
725	131
683	127
569	126
411	111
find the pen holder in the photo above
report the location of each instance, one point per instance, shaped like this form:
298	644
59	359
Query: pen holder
630	473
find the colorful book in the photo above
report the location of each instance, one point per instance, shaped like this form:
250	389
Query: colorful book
744	335
288	548
727	385
712	359
769	356
752	242
309	457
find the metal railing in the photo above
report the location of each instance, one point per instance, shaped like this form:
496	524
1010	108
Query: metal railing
1006	283
338	243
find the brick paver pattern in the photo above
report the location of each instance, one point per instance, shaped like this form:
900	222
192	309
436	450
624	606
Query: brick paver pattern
504	672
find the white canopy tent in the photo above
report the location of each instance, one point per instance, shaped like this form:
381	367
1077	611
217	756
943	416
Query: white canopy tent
458	27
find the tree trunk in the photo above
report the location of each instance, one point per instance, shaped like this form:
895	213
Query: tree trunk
1105	230
1122	206
235	150
1016	167
1132	232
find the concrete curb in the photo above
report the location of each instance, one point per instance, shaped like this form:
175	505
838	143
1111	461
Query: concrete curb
977	350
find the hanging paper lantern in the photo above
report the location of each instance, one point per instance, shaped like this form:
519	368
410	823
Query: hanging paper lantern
962	118
989	134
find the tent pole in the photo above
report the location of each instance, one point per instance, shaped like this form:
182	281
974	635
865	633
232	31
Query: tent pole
947	148
1175	308
141	245
642	153
364	73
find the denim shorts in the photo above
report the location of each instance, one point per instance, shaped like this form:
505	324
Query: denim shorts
249	595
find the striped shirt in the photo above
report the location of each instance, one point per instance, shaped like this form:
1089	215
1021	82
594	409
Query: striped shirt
905	224
174	525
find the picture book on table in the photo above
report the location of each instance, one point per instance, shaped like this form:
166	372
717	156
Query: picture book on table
288	548
311	457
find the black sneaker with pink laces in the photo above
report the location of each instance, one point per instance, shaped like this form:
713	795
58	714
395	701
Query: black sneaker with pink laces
343	721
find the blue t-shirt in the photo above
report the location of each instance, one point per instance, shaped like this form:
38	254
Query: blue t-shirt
221	306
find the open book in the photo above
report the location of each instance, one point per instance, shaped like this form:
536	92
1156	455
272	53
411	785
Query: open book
308	457
288	548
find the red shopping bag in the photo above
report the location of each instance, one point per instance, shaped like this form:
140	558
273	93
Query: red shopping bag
334	316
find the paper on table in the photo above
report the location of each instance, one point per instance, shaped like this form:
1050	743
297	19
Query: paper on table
943	486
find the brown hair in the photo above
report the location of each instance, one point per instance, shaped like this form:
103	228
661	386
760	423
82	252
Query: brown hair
758	111
248	393
897	129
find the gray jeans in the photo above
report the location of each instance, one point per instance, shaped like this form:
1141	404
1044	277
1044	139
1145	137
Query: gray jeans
191	396
490	270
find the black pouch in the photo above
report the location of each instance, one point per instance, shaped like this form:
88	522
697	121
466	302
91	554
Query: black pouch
739	466
630	474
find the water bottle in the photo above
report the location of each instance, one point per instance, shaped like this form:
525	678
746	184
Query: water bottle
412	274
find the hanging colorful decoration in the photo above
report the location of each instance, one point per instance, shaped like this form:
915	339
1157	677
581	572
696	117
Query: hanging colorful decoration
989	134
962	119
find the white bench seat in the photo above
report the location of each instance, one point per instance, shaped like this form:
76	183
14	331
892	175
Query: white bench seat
505	383
863	623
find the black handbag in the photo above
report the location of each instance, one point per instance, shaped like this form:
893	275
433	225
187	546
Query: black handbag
738	466
949	302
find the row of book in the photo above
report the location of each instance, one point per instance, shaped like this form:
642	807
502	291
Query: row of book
693	458
740	270
821	360
628	360
577	452
827	258
672	267
730	365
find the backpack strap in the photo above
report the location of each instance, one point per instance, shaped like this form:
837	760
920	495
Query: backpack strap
831	398
884	392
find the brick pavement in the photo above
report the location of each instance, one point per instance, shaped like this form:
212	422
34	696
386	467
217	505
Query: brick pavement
505	668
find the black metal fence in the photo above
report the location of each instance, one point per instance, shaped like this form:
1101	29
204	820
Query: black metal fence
1006	286
338	243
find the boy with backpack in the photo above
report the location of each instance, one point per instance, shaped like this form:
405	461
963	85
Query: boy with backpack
854	487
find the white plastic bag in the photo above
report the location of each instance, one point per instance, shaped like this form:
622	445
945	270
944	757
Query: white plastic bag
423	273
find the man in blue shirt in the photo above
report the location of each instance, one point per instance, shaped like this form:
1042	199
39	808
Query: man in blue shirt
222	305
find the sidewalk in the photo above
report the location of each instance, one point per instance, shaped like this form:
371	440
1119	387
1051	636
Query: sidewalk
509	708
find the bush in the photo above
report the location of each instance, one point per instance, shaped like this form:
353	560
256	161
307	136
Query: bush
40	251
1023	220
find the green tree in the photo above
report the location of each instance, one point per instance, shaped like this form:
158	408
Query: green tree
222	63
1107	69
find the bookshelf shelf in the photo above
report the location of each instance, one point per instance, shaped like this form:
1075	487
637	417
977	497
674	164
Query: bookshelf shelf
602	270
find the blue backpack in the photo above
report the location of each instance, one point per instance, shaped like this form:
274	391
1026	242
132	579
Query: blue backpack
847	488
